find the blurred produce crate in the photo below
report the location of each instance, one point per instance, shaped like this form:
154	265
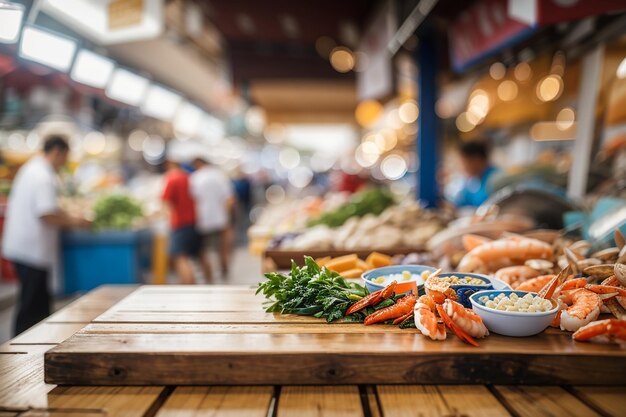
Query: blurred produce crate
281	259
112	257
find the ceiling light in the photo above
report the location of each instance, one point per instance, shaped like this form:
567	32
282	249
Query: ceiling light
161	103
10	21
187	119
47	48
127	87
92	69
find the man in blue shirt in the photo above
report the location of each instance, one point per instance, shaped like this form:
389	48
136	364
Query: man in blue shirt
478	172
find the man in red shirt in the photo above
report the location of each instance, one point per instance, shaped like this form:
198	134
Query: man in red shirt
184	240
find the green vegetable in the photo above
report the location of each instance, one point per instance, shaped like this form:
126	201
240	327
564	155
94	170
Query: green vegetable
116	211
373	201
408	323
311	290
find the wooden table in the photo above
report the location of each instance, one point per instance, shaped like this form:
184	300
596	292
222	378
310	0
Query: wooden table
23	391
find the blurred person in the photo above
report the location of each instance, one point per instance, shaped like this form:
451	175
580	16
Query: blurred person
214	196
184	240
31	234
478	173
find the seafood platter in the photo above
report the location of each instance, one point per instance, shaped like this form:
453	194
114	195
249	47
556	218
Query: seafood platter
516	309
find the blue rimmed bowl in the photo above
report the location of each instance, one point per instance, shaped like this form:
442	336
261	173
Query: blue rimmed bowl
512	323
413	285
464	291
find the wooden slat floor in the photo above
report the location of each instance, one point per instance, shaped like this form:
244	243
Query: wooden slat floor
24	393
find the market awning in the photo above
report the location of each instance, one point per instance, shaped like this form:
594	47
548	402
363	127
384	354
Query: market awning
489	26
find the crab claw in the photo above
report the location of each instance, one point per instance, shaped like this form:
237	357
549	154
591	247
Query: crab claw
548	290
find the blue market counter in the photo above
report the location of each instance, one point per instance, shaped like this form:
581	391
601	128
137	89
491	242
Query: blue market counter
91	259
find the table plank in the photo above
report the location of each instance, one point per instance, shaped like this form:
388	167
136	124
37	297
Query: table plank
21	377
320	401
529	401
436	401
218	402
244	328
611	400
112	401
201	297
46	333
218	317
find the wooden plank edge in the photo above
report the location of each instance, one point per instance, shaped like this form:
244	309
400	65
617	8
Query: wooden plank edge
127	368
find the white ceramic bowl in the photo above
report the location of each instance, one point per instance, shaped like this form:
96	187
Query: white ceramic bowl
511	323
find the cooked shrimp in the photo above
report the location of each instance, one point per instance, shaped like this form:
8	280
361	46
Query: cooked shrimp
584	307
515	249
426	319
471	241
534	284
466	319
516	275
603	331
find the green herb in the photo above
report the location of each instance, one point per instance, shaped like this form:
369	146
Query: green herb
116	211
373	201
312	291
408	323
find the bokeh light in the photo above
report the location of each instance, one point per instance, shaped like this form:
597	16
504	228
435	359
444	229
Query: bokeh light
368	112
289	158
497	71
565	118
507	90
393	167
550	88
94	143
300	176
136	140
523	72
275	194
324	45
255	120
408	111
341	59
463	124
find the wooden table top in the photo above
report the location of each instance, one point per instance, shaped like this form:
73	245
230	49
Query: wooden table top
23	391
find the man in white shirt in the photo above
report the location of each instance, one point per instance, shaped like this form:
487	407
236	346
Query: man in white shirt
30	238
213	194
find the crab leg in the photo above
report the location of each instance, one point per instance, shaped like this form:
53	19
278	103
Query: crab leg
403	318
456	329
402	307
549	289
373	298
